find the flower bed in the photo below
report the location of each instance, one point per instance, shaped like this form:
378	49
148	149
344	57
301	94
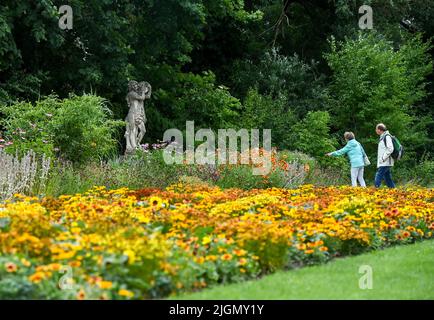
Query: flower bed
125	244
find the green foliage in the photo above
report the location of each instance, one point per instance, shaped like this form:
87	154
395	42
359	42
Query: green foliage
265	112
421	173
288	76
170	43
198	98
373	83
83	128
30	127
79	127
312	136
138	171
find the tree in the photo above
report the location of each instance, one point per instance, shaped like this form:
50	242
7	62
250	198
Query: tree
312	136
266	112
277	74
374	83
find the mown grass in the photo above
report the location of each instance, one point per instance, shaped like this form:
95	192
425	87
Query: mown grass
402	272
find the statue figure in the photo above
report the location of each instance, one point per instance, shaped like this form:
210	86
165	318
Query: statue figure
136	118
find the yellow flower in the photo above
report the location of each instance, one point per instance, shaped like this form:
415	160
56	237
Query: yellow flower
74	263
105	284
25	262
206	240
211	258
75	230
64	255
200	260
131	256
242	261
155	202
125	293
240	253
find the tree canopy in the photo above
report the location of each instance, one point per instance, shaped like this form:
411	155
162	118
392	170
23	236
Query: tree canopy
222	62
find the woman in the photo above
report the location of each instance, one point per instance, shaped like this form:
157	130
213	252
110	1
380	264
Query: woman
357	154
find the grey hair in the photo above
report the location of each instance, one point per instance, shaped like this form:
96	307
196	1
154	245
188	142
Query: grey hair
382	127
349	136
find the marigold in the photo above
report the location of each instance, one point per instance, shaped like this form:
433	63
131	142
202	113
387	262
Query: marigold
155	202
226	257
37	277
105	284
81	295
126	293
206	240
11	267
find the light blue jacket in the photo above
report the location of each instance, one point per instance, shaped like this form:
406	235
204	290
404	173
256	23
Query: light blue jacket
355	152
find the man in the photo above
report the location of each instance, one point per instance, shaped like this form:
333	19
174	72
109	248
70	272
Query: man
385	161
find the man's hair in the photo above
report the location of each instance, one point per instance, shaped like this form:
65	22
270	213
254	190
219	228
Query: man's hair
381	127
349	136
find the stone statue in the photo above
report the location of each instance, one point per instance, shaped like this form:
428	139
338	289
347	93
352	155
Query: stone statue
138	92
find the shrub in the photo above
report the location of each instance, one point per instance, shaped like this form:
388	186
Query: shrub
312	136
147	169
199	98
79	128
278	75
266	112
422	173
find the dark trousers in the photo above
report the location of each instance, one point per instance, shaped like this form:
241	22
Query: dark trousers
384	173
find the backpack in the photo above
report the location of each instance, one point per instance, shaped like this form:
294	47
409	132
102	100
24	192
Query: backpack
398	149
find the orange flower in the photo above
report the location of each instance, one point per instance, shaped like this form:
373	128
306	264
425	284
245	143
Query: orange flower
55	266
301	246
240	253
242	262
37	277
81	295
74	263
105	284
11	267
406	234
125	293
226	257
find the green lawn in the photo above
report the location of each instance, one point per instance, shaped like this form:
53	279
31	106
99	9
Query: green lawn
404	272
